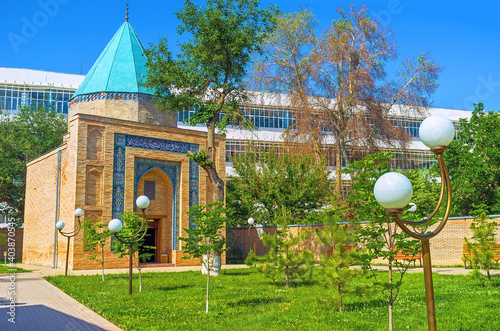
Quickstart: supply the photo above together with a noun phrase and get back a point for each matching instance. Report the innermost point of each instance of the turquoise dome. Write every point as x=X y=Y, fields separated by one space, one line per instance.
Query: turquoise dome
x=120 y=67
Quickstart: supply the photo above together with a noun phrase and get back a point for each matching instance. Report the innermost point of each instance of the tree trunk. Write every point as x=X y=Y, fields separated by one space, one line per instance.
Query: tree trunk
x=208 y=283
x=102 y=262
x=391 y=326
x=212 y=171
x=339 y=290
x=338 y=169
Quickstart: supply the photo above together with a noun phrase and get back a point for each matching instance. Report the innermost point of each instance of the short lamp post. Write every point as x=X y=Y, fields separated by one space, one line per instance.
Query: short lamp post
x=60 y=226
x=116 y=225
x=251 y=221
x=394 y=191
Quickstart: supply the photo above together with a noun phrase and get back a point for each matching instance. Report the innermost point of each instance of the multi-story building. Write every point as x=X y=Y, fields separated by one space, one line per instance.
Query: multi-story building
x=23 y=87
x=19 y=87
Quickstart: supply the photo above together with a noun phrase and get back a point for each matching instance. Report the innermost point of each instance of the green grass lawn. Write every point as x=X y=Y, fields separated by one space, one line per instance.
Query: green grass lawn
x=243 y=299
x=4 y=269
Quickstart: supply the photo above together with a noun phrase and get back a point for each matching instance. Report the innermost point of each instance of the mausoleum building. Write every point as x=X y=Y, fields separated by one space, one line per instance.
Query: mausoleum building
x=118 y=146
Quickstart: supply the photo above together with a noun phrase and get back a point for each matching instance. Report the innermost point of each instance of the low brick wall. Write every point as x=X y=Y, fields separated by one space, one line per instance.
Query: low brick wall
x=18 y=240
x=446 y=247
x=241 y=240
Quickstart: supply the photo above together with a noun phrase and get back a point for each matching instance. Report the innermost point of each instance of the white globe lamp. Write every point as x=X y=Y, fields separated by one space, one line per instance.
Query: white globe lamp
x=78 y=212
x=60 y=225
x=115 y=225
x=142 y=202
x=393 y=190
x=251 y=221
x=436 y=130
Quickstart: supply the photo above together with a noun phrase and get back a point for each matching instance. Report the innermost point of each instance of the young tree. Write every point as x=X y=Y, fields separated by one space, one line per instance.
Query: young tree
x=24 y=136
x=380 y=236
x=95 y=233
x=339 y=239
x=474 y=163
x=266 y=182
x=482 y=244
x=285 y=261
x=131 y=224
x=205 y=240
x=207 y=75
x=340 y=82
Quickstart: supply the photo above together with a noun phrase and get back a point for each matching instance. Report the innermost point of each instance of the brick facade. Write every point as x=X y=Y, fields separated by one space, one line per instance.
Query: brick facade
x=87 y=169
x=131 y=110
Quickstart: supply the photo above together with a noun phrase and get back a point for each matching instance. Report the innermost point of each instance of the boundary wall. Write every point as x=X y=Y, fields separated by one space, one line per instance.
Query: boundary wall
x=446 y=247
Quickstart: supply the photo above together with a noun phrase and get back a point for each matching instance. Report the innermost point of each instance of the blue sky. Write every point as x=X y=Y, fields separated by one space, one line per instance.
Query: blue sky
x=68 y=36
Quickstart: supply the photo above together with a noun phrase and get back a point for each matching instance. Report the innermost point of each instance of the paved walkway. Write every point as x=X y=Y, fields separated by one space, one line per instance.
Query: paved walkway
x=40 y=306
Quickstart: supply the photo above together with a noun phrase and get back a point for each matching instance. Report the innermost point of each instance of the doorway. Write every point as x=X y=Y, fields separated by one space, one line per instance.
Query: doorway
x=149 y=242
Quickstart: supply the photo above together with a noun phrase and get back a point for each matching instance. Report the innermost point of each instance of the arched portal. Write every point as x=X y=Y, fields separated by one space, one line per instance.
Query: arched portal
x=158 y=180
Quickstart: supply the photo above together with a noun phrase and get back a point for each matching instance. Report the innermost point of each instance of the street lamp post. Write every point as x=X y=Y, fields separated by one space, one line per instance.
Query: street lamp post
x=115 y=226
x=60 y=226
x=393 y=191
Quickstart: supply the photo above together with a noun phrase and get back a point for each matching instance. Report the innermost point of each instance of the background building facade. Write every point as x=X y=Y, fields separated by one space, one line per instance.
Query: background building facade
x=20 y=87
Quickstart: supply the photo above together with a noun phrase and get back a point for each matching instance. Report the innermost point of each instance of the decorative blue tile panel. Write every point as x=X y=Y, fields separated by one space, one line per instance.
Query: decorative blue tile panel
x=119 y=164
x=118 y=201
x=194 y=174
x=118 y=176
x=142 y=166
x=158 y=144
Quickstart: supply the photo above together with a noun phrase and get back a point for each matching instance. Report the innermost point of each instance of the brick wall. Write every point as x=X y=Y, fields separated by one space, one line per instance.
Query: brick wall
x=446 y=247
x=39 y=214
x=131 y=110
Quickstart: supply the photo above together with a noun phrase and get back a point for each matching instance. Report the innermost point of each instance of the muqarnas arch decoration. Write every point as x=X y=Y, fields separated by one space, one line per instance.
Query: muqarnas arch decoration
x=142 y=166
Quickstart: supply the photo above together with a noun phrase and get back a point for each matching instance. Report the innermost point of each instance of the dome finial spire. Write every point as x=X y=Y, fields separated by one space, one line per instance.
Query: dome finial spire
x=126 y=16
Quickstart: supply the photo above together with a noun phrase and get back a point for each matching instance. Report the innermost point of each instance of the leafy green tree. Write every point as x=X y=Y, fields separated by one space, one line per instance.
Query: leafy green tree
x=266 y=182
x=426 y=192
x=285 y=261
x=131 y=224
x=95 y=233
x=474 y=163
x=339 y=239
x=207 y=75
x=380 y=236
x=482 y=244
x=24 y=136
x=205 y=240
x=238 y=203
